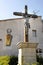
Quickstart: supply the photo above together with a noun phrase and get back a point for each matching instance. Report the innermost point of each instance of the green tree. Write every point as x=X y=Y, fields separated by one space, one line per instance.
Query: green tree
x=13 y=60
x=39 y=59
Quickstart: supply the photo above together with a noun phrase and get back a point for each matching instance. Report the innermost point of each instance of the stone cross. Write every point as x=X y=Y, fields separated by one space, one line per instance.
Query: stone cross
x=26 y=16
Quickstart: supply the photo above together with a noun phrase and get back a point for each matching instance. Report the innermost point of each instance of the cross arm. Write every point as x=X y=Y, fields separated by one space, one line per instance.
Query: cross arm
x=32 y=16
x=18 y=13
x=24 y=14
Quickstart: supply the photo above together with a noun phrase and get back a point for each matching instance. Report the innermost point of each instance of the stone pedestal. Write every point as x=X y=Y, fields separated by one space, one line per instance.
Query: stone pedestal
x=27 y=53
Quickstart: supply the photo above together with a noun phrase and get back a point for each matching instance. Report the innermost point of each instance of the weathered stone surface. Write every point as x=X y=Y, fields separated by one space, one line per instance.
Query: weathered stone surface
x=27 y=53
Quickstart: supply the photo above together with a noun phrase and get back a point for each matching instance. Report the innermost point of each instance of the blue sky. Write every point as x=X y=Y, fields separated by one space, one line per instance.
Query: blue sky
x=7 y=7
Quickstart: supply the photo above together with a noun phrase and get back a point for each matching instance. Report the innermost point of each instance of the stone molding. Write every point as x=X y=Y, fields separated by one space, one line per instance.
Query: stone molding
x=27 y=45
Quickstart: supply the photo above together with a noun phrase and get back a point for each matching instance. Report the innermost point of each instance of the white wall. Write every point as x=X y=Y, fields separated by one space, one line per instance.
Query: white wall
x=17 y=26
x=36 y=24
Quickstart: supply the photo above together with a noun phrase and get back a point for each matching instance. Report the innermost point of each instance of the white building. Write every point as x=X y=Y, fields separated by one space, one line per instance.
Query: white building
x=17 y=31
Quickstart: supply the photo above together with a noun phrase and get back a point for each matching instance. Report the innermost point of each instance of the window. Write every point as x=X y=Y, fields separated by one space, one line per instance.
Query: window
x=0 y=39
x=42 y=26
x=34 y=33
x=8 y=37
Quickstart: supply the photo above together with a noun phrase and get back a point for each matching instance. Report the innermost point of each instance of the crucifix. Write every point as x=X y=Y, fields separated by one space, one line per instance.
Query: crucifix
x=26 y=16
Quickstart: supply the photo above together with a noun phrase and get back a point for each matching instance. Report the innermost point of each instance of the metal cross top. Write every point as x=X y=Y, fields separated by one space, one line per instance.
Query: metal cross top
x=25 y=14
x=27 y=25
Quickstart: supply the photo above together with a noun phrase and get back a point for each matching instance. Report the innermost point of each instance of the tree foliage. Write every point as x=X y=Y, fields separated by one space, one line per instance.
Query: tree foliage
x=39 y=59
x=8 y=60
x=13 y=60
